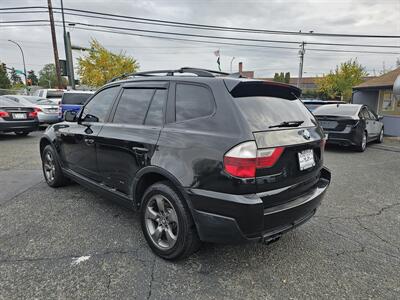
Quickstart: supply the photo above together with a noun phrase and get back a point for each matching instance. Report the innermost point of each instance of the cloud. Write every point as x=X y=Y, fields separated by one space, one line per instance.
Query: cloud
x=366 y=17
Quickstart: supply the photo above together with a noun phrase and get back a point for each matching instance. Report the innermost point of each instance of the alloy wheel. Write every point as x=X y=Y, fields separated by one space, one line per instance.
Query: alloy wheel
x=49 y=167
x=161 y=222
x=364 y=141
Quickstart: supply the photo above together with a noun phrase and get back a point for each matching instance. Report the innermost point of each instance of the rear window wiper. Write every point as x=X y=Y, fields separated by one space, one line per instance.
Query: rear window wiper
x=287 y=124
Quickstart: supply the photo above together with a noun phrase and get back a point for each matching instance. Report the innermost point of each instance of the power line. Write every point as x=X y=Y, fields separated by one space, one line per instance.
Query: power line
x=214 y=27
x=218 y=42
x=212 y=36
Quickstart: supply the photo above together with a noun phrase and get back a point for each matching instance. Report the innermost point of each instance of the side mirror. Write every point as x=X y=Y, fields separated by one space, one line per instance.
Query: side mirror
x=70 y=116
x=380 y=118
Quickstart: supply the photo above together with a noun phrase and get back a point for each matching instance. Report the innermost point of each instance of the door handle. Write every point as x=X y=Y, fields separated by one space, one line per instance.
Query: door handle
x=89 y=141
x=139 y=150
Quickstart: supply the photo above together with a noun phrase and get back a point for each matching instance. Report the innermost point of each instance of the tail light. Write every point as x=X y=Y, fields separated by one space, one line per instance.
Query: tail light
x=32 y=114
x=244 y=159
x=4 y=114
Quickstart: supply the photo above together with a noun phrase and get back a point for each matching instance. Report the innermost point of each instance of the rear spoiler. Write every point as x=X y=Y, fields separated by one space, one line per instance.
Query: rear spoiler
x=252 y=88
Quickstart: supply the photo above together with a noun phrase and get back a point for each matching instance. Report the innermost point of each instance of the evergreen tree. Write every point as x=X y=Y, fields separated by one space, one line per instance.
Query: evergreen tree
x=4 y=80
x=287 y=77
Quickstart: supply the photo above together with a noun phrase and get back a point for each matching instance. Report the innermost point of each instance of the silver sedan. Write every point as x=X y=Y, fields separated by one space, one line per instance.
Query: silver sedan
x=46 y=109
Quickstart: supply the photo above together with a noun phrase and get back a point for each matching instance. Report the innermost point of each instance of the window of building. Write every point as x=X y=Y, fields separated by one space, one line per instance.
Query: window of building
x=388 y=103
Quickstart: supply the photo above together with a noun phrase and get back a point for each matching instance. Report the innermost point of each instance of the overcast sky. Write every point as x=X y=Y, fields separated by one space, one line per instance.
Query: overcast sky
x=359 y=17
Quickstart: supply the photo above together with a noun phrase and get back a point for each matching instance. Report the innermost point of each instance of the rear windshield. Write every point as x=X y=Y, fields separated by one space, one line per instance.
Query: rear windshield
x=75 y=98
x=54 y=94
x=337 y=110
x=6 y=102
x=262 y=112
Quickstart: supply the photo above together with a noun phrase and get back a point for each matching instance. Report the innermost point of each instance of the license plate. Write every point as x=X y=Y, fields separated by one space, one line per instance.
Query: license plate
x=19 y=116
x=328 y=124
x=306 y=159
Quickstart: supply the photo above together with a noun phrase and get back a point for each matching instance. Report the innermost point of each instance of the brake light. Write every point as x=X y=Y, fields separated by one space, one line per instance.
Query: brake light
x=4 y=114
x=244 y=159
x=32 y=114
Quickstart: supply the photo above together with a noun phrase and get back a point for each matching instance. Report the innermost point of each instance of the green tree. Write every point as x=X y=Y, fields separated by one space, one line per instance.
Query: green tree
x=282 y=77
x=101 y=65
x=338 y=84
x=287 y=77
x=32 y=77
x=4 y=80
x=15 y=79
x=48 y=77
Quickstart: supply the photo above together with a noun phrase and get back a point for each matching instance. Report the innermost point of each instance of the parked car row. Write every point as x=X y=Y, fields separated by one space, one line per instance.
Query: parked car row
x=49 y=105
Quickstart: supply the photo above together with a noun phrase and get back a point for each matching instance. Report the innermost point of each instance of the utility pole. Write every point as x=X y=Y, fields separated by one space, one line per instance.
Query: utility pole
x=54 y=39
x=233 y=58
x=68 y=51
x=301 y=54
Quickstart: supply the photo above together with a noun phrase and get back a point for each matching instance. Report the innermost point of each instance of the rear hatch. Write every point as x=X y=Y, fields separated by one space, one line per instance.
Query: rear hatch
x=279 y=120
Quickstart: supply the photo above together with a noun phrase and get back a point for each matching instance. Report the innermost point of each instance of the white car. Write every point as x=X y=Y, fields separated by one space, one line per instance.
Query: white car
x=47 y=110
x=54 y=95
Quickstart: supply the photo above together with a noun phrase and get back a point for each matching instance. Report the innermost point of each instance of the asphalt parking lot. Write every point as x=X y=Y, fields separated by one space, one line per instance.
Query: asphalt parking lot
x=70 y=243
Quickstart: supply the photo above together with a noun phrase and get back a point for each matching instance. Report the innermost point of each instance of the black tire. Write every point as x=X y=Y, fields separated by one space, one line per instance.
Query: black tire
x=379 y=140
x=57 y=179
x=363 y=143
x=187 y=240
x=22 y=133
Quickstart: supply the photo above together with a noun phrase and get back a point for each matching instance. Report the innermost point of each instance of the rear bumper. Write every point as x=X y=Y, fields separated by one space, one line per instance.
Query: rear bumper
x=352 y=138
x=242 y=218
x=48 y=118
x=10 y=126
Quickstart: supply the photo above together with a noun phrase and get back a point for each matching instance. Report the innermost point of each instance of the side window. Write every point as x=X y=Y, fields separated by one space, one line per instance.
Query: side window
x=192 y=101
x=155 y=115
x=364 y=114
x=372 y=115
x=133 y=105
x=41 y=93
x=99 y=106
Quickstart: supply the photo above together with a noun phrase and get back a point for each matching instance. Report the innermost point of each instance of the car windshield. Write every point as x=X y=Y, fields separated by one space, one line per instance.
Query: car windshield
x=54 y=94
x=337 y=110
x=264 y=112
x=75 y=98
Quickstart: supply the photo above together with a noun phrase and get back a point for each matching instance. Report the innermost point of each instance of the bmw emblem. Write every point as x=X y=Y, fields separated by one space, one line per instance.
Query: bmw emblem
x=306 y=134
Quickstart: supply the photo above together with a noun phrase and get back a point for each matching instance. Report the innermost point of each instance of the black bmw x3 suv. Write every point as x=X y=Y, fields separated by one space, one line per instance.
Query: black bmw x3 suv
x=203 y=155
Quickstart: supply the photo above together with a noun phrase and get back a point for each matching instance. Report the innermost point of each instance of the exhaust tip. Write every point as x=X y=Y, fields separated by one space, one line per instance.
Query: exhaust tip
x=271 y=239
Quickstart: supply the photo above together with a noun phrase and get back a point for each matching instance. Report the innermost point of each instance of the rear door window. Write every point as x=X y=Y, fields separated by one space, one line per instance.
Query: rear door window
x=133 y=106
x=263 y=112
x=155 y=114
x=192 y=102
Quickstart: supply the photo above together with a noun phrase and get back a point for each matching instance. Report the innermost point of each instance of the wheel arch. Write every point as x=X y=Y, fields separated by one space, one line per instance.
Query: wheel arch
x=44 y=141
x=150 y=175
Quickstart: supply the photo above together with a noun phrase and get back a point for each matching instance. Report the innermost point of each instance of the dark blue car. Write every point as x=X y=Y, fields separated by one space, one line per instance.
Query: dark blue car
x=73 y=100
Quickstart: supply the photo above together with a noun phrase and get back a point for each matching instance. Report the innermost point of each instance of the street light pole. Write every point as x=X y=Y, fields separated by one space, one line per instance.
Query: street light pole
x=233 y=58
x=23 y=59
x=301 y=53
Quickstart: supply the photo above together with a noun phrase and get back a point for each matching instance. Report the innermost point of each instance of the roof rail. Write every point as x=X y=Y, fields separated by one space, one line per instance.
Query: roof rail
x=196 y=71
